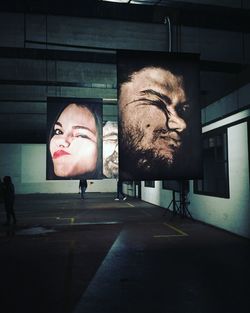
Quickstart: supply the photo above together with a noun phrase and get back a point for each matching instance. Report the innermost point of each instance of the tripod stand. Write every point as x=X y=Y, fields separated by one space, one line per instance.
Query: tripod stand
x=184 y=212
x=180 y=206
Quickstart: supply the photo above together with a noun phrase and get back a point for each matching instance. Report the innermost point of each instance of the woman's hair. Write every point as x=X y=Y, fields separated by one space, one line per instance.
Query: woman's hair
x=94 y=106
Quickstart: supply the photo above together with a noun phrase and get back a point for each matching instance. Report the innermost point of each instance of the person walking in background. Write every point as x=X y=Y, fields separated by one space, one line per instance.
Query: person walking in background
x=9 y=197
x=120 y=193
x=82 y=187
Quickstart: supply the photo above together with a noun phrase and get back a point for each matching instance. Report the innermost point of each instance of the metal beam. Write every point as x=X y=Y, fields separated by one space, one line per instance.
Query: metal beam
x=102 y=56
x=181 y=13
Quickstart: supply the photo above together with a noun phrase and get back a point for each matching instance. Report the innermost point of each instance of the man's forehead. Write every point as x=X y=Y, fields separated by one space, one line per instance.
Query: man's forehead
x=156 y=79
x=155 y=75
x=110 y=127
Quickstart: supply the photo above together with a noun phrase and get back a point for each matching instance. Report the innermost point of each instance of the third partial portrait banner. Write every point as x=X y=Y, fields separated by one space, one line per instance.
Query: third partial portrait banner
x=110 y=149
x=159 y=116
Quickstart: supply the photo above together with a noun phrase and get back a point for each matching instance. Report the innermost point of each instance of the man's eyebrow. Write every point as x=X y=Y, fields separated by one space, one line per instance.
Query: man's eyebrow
x=110 y=134
x=165 y=98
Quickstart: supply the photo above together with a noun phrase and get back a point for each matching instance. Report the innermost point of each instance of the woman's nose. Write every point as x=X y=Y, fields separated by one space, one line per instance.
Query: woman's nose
x=175 y=122
x=64 y=141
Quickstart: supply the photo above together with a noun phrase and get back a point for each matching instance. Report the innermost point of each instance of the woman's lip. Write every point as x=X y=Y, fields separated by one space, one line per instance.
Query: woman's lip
x=59 y=153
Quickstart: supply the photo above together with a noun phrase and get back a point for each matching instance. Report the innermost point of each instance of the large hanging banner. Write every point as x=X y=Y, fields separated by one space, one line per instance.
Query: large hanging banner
x=159 y=116
x=74 y=138
x=110 y=149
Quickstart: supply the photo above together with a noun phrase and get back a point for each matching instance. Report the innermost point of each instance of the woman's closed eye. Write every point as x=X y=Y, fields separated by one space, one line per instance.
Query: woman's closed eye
x=82 y=136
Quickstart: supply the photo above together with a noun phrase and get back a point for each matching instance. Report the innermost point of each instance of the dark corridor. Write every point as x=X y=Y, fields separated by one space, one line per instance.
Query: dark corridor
x=101 y=256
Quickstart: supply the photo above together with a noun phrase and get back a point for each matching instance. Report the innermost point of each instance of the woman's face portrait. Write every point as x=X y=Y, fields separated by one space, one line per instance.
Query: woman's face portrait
x=74 y=142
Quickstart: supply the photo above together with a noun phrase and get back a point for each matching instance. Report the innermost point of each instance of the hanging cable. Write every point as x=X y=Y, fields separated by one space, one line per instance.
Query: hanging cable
x=167 y=21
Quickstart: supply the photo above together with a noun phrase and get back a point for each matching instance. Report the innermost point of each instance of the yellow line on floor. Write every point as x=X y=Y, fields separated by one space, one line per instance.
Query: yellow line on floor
x=176 y=229
x=165 y=236
x=71 y=219
x=130 y=204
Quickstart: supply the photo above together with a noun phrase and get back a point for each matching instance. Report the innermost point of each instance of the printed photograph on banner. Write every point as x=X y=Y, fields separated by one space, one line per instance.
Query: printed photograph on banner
x=74 y=138
x=159 y=116
x=110 y=149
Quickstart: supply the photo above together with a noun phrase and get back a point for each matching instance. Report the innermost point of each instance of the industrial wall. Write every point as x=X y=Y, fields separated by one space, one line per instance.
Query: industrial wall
x=233 y=213
x=45 y=55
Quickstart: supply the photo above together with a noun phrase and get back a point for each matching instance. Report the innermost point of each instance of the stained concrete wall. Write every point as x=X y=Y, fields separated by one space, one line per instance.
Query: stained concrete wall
x=26 y=164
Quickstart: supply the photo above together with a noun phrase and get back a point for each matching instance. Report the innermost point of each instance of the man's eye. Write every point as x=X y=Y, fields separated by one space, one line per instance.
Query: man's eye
x=182 y=109
x=156 y=102
x=185 y=108
x=112 y=141
x=57 y=131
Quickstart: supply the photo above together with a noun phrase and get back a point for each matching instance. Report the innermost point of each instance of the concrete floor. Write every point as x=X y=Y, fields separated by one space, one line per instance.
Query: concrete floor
x=97 y=255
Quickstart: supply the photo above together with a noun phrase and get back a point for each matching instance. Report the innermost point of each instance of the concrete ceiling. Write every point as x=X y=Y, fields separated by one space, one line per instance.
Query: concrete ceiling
x=230 y=16
x=233 y=15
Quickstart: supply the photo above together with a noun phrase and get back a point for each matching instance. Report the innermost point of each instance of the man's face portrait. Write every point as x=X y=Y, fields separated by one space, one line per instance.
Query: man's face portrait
x=110 y=149
x=154 y=113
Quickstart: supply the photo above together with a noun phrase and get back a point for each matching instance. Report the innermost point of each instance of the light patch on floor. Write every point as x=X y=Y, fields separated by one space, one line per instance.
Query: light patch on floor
x=35 y=231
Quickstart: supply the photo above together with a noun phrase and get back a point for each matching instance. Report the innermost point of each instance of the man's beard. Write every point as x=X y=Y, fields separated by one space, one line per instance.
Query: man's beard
x=110 y=166
x=143 y=163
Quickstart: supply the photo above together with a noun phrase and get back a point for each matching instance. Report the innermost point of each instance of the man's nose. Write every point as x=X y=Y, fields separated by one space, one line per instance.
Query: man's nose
x=175 y=122
x=116 y=147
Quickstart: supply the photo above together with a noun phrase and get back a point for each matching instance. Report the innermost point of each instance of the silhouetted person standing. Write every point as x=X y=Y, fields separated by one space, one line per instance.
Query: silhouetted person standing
x=83 y=186
x=9 y=197
x=1 y=190
x=119 y=191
